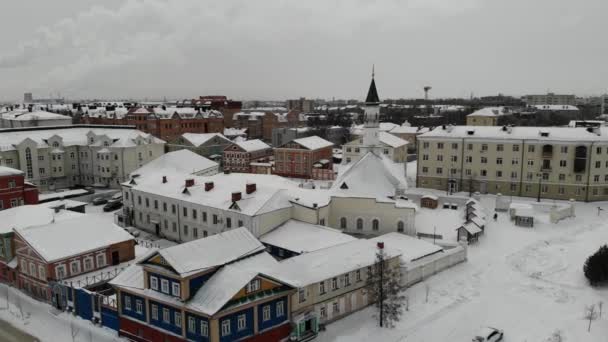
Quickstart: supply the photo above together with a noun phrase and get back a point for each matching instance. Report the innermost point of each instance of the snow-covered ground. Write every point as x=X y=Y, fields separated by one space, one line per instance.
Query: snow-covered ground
x=528 y=282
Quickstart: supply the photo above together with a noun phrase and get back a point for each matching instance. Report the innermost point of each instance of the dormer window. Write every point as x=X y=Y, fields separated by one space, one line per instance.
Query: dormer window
x=253 y=286
x=175 y=290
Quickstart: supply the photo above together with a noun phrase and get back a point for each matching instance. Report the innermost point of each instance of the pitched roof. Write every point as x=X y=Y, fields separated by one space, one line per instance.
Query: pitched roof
x=9 y=171
x=181 y=162
x=228 y=281
x=519 y=132
x=301 y=237
x=391 y=140
x=372 y=94
x=313 y=142
x=411 y=248
x=252 y=145
x=198 y=139
x=213 y=251
x=31 y=215
x=59 y=240
x=491 y=111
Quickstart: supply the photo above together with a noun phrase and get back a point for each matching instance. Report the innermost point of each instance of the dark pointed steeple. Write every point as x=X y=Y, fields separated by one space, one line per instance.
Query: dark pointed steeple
x=372 y=93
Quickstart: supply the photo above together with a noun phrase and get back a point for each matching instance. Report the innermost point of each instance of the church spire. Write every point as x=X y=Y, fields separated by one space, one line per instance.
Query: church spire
x=372 y=93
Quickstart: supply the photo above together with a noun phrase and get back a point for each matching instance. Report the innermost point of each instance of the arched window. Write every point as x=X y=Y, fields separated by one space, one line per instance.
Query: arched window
x=55 y=144
x=359 y=224
x=375 y=224
x=343 y=222
x=28 y=162
x=400 y=227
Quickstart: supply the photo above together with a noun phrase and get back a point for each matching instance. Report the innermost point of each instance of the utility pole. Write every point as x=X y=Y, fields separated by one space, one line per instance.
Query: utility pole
x=540 y=178
x=381 y=280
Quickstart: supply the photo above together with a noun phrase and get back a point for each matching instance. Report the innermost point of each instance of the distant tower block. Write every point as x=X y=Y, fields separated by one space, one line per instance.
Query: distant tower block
x=426 y=99
x=28 y=98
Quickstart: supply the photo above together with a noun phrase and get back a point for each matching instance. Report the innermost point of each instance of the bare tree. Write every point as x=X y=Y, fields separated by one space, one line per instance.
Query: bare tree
x=590 y=314
x=600 y=305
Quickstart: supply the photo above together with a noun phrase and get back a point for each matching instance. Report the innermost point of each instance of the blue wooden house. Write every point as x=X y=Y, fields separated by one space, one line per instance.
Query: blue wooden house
x=219 y=288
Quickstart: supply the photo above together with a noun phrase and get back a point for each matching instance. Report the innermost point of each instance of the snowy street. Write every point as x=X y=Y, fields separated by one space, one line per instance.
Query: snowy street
x=525 y=281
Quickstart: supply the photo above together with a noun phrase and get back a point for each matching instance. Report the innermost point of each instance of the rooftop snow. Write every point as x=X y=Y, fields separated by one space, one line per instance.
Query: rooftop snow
x=313 y=142
x=252 y=145
x=31 y=215
x=531 y=133
x=555 y=107
x=9 y=171
x=411 y=249
x=25 y=115
x=213 y=251
x=199 y=139
x=391 y=140
x=491 y=111
x=181 y=162
x=322 y=264
x=301 y=237
x=59 y=240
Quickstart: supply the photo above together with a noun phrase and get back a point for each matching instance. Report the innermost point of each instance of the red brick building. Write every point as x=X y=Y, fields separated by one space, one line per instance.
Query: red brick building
x=259 y=125
x=14 y=191
x=221 y=103
x=239 y=155
x=166 y=123
x=47 y=253
x=299 y=157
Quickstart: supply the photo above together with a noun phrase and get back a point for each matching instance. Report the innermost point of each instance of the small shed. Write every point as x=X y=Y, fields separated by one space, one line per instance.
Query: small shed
x=469 y=232
x=522 y=214
x=479 y=222
x=429 y=201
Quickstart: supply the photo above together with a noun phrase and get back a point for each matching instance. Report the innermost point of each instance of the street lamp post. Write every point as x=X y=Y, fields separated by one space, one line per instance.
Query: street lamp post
x=540 y=178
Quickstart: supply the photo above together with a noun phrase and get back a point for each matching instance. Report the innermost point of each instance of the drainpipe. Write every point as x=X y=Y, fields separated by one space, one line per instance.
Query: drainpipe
x=521 y=174
x=588 y=172
x=461 y=165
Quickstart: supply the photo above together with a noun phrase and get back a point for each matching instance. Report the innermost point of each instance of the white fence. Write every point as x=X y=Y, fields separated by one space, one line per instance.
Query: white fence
x=419 y=270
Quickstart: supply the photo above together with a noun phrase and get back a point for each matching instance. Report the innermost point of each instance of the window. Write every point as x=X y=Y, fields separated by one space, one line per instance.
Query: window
x=561 y=190
x=301 y=295
x=28 y=162
x=75 y=267
x=186 y=229
x=439 y=157
x=498 y=174
x=347 y=279
x=530 y=162
x=59 y=271
x=128 y=303
x=215 y=219
x=334 y=284
x=598 y=164
x=185 y=211
x=470 y=147
x=164 y=285
x=454 y=158
x=483 y=173
x=579 y=178
x=88 y=264
x=343 y=222
x=101 y=260
x=562 y=163
x=400 y=227
x=241 y=322
x=173 y=209
x=178 y=318
x=228 y=222
x=195 y=232
x=596 y=178
x=139 y=306
x=322 y=287
x=439 y=170
x=375 y=224
x=166 y=315
x=359 y=224
x=175 y=290
x=154 y=309
x=425 y=157
x=425 y=169
x=454 y=146
x=174 y=226
x=530 y=148
x=323 y=312
x=513 y=187
x=154 y=283
x=266 y=313
x=598 y=150
x=440 y=145
x=204 y=329
x=469 y=159
x=425 y=144
x=336 y=308
x=204 y=216
x=515 y=148
x=484 y=147
x=562 y=177
x=191 y=325
x=484 y=160
x=500 y=147
x=41 y=272
x=564 y=149
x=253 y=285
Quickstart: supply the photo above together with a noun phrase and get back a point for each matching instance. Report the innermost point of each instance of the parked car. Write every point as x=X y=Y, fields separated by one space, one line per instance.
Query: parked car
x=99 y=201
x=112 y=205
x=489 y=334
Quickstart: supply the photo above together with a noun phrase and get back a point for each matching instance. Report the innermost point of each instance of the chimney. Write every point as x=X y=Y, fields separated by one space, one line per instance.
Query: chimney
x=189 y=182
x=208 y=186
x=164 y=179
x=380 y=245
x=236 y=196
x=249 y=188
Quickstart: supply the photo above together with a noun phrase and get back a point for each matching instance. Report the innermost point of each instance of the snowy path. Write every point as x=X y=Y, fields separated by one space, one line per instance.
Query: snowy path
x=528 y=282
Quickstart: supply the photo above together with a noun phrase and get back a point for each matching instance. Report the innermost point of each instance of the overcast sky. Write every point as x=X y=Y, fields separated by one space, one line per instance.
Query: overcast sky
x=271 y=49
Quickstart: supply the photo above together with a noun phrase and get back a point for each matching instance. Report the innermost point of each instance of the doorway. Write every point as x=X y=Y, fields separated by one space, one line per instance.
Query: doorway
x=115 y=258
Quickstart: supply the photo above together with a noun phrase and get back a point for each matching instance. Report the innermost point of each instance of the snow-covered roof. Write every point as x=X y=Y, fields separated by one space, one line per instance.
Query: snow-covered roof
x=491 y=111
x=198 y=139
x=73 y=136
x=230 y=132
x=31 y=215
x=411 y=249
x=181 y=162
x=313 y=142
x=391 y=140
x=471 y=228
x=326 y=263
x=252 y=145
x=355 y=180
x=59 y=240
x=9 y=171
x=25 y=115
x=213 y=251
x=272 y=192
x=522 y=209
x=409 y=130
x=132 y=277
x=519 y=132
x=302 y=237
x=555 y=107
x=228 y=281
x=387 y=126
